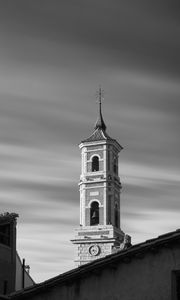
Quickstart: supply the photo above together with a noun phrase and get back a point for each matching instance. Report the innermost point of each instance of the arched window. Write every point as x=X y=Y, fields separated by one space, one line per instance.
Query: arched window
x=95 y=164
x=116 y=216
x=114 y=165
x=94 y=213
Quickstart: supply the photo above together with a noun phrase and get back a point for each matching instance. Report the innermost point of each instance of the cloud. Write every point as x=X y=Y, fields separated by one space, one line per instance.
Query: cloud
x=150 y=224
x=53 y=57
x=46 y=252
x=139 y=35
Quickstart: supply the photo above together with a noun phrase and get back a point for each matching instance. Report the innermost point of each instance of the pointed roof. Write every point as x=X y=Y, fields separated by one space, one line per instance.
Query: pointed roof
x=99 y=133
x=100 y=122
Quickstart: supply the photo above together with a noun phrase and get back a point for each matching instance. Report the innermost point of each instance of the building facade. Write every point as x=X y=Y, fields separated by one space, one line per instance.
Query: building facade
x=145 y=271
x=7 y=252
x=13 y=275
x=99 y=233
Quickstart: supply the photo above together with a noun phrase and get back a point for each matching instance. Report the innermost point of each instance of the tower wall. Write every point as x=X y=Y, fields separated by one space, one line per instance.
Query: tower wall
x=99 y=233
x=103 y=187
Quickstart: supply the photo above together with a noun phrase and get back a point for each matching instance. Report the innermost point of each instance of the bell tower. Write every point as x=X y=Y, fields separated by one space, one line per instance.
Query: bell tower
x=99 y=233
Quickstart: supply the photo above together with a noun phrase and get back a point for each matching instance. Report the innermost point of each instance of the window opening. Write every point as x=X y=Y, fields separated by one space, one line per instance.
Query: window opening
x=5 y=287
x=95 y=164
x=109 y=208
x=5 y=234
x=108 y=161
x=116 y=216
x=94 y=214
x=115 y=167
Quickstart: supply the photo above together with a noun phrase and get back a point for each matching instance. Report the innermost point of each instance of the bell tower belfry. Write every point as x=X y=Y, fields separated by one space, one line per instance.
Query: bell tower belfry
x=99 y=233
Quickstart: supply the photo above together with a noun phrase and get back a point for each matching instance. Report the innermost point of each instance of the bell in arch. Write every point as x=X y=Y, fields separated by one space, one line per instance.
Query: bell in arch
x=95 y=215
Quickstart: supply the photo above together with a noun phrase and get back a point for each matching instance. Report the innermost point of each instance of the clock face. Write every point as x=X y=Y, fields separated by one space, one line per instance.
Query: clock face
x=94 y=250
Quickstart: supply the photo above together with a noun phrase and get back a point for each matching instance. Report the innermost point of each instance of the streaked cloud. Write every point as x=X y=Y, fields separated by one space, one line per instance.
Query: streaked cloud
x=53 y=57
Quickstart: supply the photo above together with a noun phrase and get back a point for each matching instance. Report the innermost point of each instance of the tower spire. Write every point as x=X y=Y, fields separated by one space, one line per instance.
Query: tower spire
x=100 y=122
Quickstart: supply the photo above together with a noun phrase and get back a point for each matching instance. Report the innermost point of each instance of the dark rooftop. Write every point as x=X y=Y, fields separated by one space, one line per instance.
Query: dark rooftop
x=133 y=252
x=8 y=217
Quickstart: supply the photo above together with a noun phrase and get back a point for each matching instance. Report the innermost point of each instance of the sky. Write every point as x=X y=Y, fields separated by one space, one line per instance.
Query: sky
x=53 y=57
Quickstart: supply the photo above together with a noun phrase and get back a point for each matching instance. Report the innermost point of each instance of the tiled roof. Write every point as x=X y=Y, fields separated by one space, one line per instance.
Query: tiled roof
x=98 y=135
x=112 y=260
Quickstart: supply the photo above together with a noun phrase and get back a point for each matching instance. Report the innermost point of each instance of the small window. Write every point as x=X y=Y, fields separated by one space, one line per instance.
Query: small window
x=5 y=287
x=108 y=160
x=115 y=165
x=95 y=164
x=116 y=216
x=5 y=234
x=109 y=209
x=94 y=214
x=176 y=285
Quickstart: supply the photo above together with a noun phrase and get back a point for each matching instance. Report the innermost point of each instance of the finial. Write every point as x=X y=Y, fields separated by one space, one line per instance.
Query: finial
x=100 y=94
x=100 y=122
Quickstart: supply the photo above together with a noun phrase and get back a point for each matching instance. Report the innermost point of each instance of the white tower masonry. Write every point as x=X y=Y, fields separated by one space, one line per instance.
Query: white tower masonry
x=99 y=233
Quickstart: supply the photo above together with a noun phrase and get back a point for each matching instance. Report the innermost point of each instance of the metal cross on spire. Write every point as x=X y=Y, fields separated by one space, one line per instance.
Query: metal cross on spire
x=100 y=94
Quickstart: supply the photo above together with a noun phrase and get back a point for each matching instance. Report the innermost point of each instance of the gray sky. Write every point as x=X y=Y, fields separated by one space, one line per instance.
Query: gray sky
x=53 y=56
